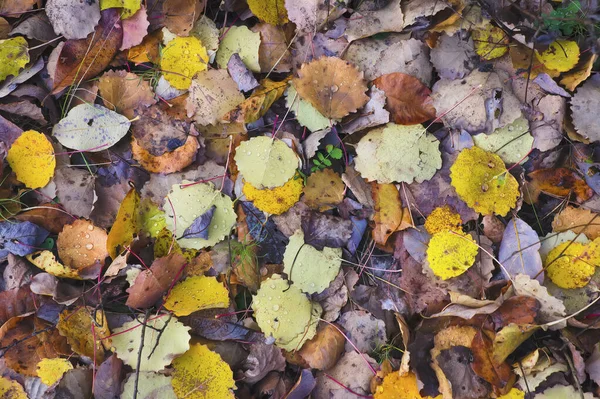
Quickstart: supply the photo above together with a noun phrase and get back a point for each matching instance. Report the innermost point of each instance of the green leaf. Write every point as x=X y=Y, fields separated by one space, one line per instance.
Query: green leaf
x=329 y=148
x=327 y=162
x=317 y=163
x=321 y=157
x=336 y=153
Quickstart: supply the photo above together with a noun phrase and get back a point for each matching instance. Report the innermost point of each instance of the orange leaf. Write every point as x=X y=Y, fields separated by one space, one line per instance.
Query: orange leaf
x=389 y=215
x=169 y=162
x=408 y=99
x=560 y=182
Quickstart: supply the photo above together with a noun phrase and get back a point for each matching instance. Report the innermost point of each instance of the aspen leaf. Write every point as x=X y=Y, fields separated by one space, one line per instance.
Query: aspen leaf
x=125 y=92
x=306 y=114
x=276 y=200
x=150 y=386
x=395 y=386
x=490 y=42
x=289 y=316
x=184 y=204
x=580 y=73
x=512 y=143
x=52 y=370
x=46 y=261
x=244 y=42
x=442 y=219
x=561 y=55
x=333 y=86
x=514 y=393
x=169 y=162
x=311 y=15
x=14 y=53
x=572 y=264
x=450 y=254
x=579 y=220
x=213 y=93
x=258 y=103
x=377 y=154
x=483 y=182
x=561 y=392
x=82 y=245
x=32 y=159
x=201 y=374
x=181 y=59
x=91 y=128
x=389 y=214
x=308 y=268
x=266 y=162
x=165 y=338
x=128 y=7
x=11 y=389
x=584 y=104
x=273 y=53
x=324 y=190
x=76 y=326
x=125 y=228
x=270 y=11
x=73 y=19
x=197 y=293
x=151 y=217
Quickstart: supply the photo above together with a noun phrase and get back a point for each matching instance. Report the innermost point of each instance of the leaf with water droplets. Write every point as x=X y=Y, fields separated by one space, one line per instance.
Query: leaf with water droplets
x=197 y=293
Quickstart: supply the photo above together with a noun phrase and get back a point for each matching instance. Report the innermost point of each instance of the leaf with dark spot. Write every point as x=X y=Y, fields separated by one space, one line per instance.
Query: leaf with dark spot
x=199 y=227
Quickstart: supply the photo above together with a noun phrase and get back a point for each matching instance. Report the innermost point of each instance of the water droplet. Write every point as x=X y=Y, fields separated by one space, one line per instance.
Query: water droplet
x=285 y=312
x=186 y=52
x=186 y=72
x=316 y=82
x=85 y=255
x=270 y=298
x=275 y=308
x=89 y=246
x=511 y=128
x=272 y=286
x=312 y=284
x=249 y=153
x=334 y=88
x=90 y=227
x=87 y=236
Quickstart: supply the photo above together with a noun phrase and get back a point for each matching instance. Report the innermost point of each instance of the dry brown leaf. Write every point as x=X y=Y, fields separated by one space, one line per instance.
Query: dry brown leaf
x=81 y=246
x=273 y=52
x=169 y=162
x=125 y=92
x=324 y=189
x=177 y=15
x=390 y=216
x=49 y=216
x=324 y=349
x=580 y=73
x=333 y=86
x=408 y=100
x=212 y=94
x=85 y=335
x=579 y=220
x=560 y=182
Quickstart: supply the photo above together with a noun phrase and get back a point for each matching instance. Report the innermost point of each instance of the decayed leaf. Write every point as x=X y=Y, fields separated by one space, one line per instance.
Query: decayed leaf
x=86 y=330
x=584 y=104
x=333 y=86
x=150 y=385
x=91 y=128
x=81 y=245
x=324 y=350
x=389 y=216
x=288 y=316
x=125 y=92
x=242 y=41
x=519 y=251
x=162 y=127
x=274 y=201
x=197 y=293
x=46 y=261
x=82 y=59
x=408 y=99
x=20 y=238
x=125 y=228
x=371 y=115
x=311 y=15
x=273 y=52
x=551 y=308
x=52 y=370
x=15 y=55
x=182 y=59
x=490 y=42
x=306 y=114
x=352 y=371
x=579 y=220
x=324 y=190
x=377 y=154
x=261 y=360
x=75 y=190
x=512 y=143
x=73 y=20
x=451 y=253
x=11 y=389
x=169 y=162
x=454 y=56
x=366 y=22
x=580 y=73
x=483 y=182
x=31 y=157
x=561 y=55
x=308 y=268
x=212 y=94
x=572 y=265
x=165 y=338
x=258 y=103
x=270 y=11
x=201 y=374
x=561 y=182
x=266 y=162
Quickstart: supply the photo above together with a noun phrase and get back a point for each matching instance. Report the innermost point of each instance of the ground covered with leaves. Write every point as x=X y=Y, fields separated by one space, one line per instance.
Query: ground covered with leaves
x=299 y=198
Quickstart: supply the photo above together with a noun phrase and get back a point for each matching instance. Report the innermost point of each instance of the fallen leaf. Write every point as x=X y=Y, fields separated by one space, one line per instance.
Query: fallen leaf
x=15 y=52
x=372 y=114
x=261 y=360
x=451 y=253
x=125 y=228
x=169 y=162
x=324 y=190
x=128 y=7
x=254 y=107
x=306 y=114
x=274 y=201
x=135 y=29
x=579 y=220
x=51 y=370
x=125 y=93
x=149 y=385
x=86 y=330
x=366 y=21
x=273 y=53
x=512 y=143
x=583 y=104
x=352 y=370
x=182 y=59
x=364 y=330
x=73 y=20
x=311 y=15
x=20 y=238
x=212 y=94
x=454 y=57
x=561 y=55
x=580 y=72
x=196 y=293
x=519 y=251
x=572 y=264
x=32 y=158
x=242 y=41
x=390 y=216
x=271 y=11
x=561 y=182
x=490 y=42
x=12 y=389
x=396 y=386
x=442 y=219
x=75 y=190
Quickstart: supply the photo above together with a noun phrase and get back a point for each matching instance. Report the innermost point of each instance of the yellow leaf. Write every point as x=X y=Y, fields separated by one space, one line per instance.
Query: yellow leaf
x=125 y=227
x=182 y=59
x=276 y=200
x=270 y=11
x=442 y=219
x=389 y=214
x=197 y=293
x=152 y=218
x=10 y=389
x=46 y=261
x=129 y=7
x=52 y=370
x=201 y=374
x=396 y=386
x=255 y=106
x=572 y=264
x=450 y=254
x=580 y=73
x=166 y=244
x=85 y=335
x=241 y=40
x=31 y=157
x=562 y=55
x=483 y=182
x=490 y=42
x=324 y=190
x=14 y=54
x=514 y=393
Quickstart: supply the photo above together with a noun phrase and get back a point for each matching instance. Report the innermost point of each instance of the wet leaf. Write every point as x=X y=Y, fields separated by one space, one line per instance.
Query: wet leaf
x=86 y=330
x=196 y=293
x=31 y=157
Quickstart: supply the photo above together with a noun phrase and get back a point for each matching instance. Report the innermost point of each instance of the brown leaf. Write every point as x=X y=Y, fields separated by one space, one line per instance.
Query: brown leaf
x=579 y=220
x=518 y=309
x=177 y=15
x=273 y=51
x=125 y=92
x=324 y=190
x=82 y=245
x=261 y=360
x=79 y=60
x=148 y=50
x=324 y=349
x=333 y=86
x=251 y=109
x=389 y=214
x=169 y=162
x=150 y=285
x=560 y=182
x=48 y=216
x=13 y=8
x=500 y=375
x=455 y=363
x=408 y=100
x=17 y=302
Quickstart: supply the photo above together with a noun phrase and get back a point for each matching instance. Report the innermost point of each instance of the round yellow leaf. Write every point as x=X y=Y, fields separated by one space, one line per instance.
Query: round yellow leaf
x=442 y=219
x=31 y=157
x=52 y=370
x=395 y=386
x=483 y=182
x=490 y=42
x=197 y=293
x=10 y=389
x=572 y=264
x=562 y=55
x=450 y=254
x=270 y=11
x=201 y=374
x=182 y=59
x=276 y=200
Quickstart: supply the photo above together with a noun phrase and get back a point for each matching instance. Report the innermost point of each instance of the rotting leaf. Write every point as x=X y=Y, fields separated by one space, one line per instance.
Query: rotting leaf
x=86 y=330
